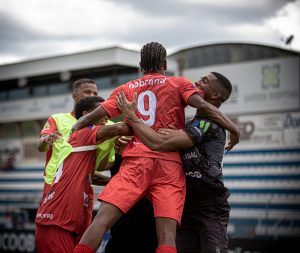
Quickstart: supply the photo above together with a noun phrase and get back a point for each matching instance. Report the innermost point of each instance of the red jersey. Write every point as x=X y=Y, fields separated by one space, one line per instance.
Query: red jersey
x=66 y=203
x=161 y=102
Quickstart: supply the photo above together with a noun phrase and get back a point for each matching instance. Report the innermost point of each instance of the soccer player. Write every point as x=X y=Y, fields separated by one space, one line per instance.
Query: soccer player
x=62 y=212
x=135 y=231
x=60 y=125
x=159 y=175
x=202 y=142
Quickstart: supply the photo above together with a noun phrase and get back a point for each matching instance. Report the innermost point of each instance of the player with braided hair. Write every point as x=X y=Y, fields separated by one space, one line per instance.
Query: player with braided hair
x=158 y=175
x=153 y=56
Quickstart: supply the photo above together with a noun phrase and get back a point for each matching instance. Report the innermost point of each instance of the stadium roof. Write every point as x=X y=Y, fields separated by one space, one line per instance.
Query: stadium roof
x=84 y=60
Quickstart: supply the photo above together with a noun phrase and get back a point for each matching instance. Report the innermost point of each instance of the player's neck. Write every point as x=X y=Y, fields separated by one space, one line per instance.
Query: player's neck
x=213 y=102
x=158 y=71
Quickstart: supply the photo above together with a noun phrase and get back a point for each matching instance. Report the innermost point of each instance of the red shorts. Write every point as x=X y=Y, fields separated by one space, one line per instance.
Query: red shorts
x=54 y=239
x=162 y=181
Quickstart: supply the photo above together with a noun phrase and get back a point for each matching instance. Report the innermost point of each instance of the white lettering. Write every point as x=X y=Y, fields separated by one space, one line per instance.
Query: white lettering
x=49 y=196
x=45 y=216
x=22 y=242
x=150 y=112
x=146 y=82
x=195 y=174
x=189 y=155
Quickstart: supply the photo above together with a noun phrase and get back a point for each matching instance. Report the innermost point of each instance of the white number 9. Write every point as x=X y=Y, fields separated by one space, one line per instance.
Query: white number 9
x=151 y=108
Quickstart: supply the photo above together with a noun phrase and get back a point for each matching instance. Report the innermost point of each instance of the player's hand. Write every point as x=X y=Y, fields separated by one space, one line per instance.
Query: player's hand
x=52 y=137
x=121 y=143
x=234 y=139
x=126 y=107
x=80 y=123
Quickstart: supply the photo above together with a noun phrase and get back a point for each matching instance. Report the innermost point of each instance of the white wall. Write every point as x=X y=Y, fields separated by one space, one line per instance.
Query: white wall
x=258 y=86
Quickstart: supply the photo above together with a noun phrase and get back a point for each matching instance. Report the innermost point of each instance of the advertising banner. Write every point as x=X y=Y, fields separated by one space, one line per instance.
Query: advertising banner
x=276 y=130
x=258 y=86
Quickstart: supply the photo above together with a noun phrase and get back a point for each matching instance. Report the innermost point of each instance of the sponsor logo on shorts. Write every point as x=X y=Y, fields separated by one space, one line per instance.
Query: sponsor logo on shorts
x=49 y=196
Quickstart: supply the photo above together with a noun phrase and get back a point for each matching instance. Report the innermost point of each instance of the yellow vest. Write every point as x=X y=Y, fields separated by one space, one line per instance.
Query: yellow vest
x=106 y=148
x=64 y=123
x=61 y=148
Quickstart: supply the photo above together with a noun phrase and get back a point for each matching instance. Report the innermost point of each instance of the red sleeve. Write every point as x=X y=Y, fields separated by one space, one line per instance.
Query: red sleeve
x=110 y=105
x=187 y=89
x=49 y=127
x=85 y=136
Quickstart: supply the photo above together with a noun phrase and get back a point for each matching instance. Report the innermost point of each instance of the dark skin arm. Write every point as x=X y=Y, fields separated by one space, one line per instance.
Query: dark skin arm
x=90 y=118
x=99 y=179
x=46 y=140
x=105 y=164
x=169 y=141
x=109 y=131
x=213 y=113
x=178 y=139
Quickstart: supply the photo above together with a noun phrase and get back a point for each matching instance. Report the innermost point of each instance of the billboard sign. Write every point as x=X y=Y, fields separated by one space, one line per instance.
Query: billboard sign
x=258 y=86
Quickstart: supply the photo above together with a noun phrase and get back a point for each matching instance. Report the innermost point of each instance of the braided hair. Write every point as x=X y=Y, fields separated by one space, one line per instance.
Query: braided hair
x=153 y=57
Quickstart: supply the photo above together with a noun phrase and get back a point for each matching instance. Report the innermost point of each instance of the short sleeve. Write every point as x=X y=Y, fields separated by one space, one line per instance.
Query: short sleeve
x=187 y=89
x=193 y=133
x=49 y=127
x=86 y=136
x=110 y=105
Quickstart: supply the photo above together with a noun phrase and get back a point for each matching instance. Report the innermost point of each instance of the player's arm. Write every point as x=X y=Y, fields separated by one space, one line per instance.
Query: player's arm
x=90 y=118
x=49 y=134
x=176 y=140
x=46 y=140
x=170 y=142
x=106 y=109
x=100 y=179
x=109 y=131
x=105 y=164
x=213 y=113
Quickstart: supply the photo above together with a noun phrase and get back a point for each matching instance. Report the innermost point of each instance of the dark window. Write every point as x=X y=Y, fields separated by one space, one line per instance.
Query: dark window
x=60 y=88
x=30 y=129
x=103 y=82
x=18 y=93
x=40 y=91
x=10 y=130
x=3 y=95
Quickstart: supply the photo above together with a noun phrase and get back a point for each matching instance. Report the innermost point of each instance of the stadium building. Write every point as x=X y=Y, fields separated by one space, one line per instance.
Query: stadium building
x=262 y=172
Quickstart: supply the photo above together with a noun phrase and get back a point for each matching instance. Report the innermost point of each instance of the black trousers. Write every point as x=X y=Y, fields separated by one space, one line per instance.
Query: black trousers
x=204 y=228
